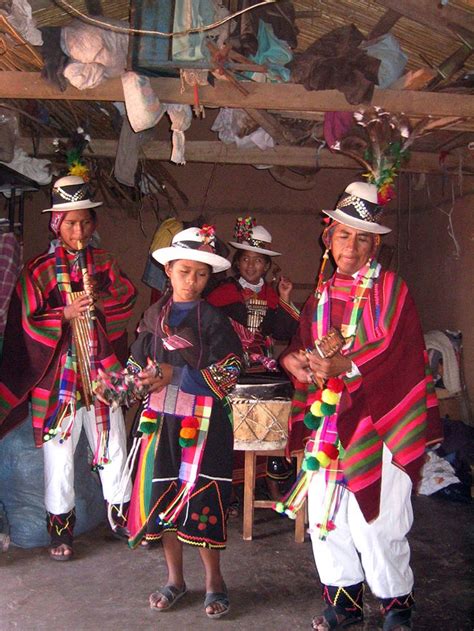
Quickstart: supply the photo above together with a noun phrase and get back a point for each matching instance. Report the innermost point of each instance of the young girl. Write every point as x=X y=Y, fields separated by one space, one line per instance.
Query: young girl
x=259 y=314
x=188 y=357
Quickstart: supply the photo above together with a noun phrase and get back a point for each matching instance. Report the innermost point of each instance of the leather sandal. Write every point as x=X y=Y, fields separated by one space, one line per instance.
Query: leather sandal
x=64 y=547
x=169 y=593
x=397 y=620
x=336 y=619
x=222 y=598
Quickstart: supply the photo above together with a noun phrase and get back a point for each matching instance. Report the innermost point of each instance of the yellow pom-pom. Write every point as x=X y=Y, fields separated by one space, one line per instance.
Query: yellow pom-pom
x=323 y=459
x=330 y=397
x=315 y=409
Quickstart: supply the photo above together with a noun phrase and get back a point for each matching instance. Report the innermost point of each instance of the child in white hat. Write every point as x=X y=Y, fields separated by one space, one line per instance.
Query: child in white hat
x=188 y=357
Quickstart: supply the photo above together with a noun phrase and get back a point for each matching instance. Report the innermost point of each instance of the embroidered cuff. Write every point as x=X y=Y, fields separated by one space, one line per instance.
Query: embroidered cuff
x=222 y=376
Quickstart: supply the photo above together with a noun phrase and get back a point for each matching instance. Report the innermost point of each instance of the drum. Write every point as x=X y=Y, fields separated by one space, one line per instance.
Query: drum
x=261 y=407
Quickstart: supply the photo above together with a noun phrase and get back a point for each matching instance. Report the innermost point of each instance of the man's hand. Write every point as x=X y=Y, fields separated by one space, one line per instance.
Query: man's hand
x=330 y=367
x=297 y=364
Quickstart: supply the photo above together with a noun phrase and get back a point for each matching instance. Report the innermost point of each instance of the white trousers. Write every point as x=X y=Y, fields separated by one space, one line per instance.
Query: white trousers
x=59 y=462
x=356 y=551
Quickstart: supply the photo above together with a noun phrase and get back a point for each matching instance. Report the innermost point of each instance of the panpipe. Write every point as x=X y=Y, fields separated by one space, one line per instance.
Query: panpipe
x=82 y=329
x=81 y=333
x=256 y=310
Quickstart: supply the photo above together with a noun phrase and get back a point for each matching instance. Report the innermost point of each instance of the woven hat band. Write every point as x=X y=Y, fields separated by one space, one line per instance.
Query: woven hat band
x=70 y=193
x=358 y=208
x=193 y=245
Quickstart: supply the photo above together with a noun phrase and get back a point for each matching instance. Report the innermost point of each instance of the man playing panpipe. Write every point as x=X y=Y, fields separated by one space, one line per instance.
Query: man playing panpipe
x=53 y=350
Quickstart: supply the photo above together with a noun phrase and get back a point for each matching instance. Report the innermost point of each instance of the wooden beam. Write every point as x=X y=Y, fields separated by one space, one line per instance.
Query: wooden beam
x=214 y=151
x=430 y=13
x=385 y=24
x=271 y=96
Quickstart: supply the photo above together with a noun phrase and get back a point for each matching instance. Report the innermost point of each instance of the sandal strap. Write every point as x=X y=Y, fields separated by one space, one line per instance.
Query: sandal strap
x=397 y=618
x=216 y=597
x=330 y=616
x=170 y=592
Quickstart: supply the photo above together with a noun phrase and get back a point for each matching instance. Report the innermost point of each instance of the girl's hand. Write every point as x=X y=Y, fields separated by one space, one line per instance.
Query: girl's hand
x=156 y=383
x=285 y=287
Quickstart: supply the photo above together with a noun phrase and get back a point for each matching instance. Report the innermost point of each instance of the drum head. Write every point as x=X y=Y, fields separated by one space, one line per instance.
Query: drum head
x=263 y=386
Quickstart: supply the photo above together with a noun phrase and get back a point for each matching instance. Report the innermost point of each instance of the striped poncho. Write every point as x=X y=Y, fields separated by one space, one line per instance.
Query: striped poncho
x=390 y=402
x=38 y=340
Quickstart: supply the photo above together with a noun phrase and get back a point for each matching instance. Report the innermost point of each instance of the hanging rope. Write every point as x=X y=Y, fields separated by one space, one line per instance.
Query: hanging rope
x=449 y=215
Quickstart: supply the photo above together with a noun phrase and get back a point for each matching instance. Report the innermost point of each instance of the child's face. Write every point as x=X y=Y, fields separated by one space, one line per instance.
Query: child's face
x=188 y=279
x=252 y=266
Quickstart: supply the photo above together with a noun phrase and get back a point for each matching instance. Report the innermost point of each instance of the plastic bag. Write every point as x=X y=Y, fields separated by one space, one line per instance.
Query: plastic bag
x=8 y=134
x=392 y=59
x=22 y=488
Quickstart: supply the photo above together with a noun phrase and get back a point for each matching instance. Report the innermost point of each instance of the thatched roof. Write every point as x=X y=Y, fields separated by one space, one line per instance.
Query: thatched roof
x=431 y=35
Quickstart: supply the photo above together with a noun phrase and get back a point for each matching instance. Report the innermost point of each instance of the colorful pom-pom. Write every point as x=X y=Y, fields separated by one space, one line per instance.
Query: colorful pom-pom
x=147 y=427
x=291 y=514
x=149 y=414
x=330 y=450
x=190 y=421
x=323 y=459
x=330 y=397
x=279 y=507
x=310 y=463
x=316 y=409
x=335 y=384
x=327 y=409
x=188 y=432
x=311 y=421
x=186 y=442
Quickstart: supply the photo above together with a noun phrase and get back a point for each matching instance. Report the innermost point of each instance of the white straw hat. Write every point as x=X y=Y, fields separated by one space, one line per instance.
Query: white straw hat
x=193 y=244
x=252 y=238
x=70 y=193
x=358 y=208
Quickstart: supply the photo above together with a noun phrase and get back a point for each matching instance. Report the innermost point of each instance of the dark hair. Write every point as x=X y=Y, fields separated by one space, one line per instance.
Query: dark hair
x=240 y=253
x=171 y=263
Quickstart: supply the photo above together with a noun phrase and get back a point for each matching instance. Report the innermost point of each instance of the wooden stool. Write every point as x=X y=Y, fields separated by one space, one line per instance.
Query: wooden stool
x=249 y=488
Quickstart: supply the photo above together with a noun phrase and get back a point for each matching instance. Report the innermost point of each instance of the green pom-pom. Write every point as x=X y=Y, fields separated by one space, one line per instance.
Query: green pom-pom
x=327 y=409
x=186 y=442
x=147 y=426
x=311 y=421
x=311 y=463
x=280 y=507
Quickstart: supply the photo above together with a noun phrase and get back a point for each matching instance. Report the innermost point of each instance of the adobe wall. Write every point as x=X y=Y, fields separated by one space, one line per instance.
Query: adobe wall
x=422 y=249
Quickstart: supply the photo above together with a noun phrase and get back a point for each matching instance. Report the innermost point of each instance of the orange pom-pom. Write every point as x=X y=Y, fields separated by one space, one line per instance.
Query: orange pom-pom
x=188 y=432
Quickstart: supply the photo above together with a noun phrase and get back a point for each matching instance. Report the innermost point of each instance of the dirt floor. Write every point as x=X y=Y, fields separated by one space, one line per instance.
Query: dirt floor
x=272 y=580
